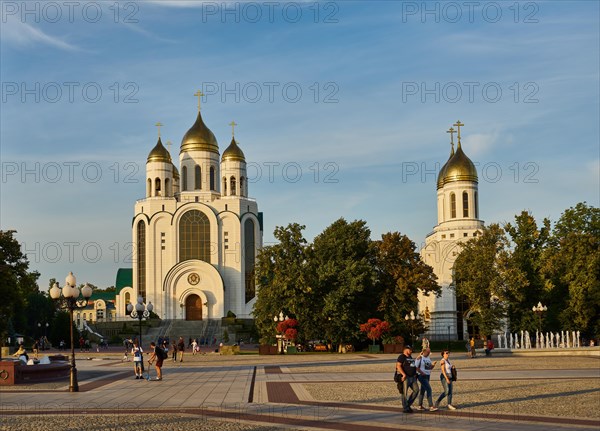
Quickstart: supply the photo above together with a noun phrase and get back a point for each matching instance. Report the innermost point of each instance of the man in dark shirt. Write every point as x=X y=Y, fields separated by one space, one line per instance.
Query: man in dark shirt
x=405 y=366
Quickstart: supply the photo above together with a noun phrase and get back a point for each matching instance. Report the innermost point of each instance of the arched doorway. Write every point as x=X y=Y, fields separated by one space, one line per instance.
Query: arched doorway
x=193 y=308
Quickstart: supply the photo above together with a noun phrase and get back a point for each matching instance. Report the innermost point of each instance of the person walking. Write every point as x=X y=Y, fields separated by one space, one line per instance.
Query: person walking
x=472 y=347
x=138 y=360
x=446 y=379
x=157 y=359
x=194 y=346
x=424 y=366
x=405 y=365
x=181 y=348
x=174 y=352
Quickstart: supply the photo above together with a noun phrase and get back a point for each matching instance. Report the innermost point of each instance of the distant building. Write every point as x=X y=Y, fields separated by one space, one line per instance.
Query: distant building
x=458 y=221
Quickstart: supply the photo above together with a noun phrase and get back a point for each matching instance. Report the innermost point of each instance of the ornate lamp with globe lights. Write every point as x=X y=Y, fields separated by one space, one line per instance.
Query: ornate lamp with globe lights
x=140 y=311
x=539 y=309
x=71 y=298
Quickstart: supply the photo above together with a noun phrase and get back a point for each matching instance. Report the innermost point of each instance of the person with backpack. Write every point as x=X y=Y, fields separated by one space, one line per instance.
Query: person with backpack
x=405 y=367
x=138 y=360
x=181 y=348
x=446 y=378
x=157 y=357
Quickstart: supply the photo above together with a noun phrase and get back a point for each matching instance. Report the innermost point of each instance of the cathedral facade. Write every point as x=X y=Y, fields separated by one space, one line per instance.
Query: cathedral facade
x=457 y=221
x=196 y=233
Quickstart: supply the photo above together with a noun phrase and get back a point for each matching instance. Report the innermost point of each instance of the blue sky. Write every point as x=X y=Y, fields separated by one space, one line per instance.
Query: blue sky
x=342 y=105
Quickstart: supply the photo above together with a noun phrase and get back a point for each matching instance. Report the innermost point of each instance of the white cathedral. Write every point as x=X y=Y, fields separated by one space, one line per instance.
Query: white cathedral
x=457 y=221
x=196 y=233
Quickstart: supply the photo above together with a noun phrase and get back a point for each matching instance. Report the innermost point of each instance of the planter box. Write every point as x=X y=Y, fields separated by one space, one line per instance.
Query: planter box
x=393 y=348
x=291 y=350
x=374 y=348
x=265 y=349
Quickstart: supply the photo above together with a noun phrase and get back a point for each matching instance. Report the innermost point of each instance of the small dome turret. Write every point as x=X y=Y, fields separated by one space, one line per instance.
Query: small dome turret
x=159 y=153
x=233 y=152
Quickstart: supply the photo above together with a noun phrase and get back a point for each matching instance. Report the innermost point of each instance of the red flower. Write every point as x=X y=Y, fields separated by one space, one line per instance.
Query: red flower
x=375 y=328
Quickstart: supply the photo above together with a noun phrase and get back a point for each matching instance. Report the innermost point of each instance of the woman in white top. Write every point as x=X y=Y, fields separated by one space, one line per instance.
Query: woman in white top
x=424 y=367
x=446 y=378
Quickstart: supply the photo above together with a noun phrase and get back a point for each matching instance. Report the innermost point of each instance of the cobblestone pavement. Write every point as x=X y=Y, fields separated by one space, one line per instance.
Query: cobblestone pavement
x=331 y=391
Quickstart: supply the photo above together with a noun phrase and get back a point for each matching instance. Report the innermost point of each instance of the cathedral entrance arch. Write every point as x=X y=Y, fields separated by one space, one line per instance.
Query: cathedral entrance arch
x=193 y=307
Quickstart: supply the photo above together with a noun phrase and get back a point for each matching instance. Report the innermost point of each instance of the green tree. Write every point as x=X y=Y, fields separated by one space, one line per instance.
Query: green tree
x=284 y=283
x=479 y=278
x=401 y=274
x=571 y=266
x=16 y=284
x=527 y=244
x=344 y=260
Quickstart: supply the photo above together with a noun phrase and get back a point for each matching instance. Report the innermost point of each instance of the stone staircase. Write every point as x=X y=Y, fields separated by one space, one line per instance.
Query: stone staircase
x=204 y=331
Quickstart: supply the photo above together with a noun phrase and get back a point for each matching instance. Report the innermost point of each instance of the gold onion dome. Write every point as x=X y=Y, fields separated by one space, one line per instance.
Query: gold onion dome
x=440 y=179
x=233 y=152
x=159 y=153
x=458 y=168
x=199 y=138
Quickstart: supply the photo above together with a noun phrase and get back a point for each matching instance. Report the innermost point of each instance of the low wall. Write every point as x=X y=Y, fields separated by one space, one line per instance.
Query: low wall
x=14 y=372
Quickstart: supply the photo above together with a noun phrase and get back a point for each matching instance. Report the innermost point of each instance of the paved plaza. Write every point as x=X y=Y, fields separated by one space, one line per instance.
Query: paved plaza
x=311 y=391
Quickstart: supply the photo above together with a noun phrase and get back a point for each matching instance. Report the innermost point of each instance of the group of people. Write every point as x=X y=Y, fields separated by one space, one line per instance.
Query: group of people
x=471 y=352
x=412 y=371
x=157 y=356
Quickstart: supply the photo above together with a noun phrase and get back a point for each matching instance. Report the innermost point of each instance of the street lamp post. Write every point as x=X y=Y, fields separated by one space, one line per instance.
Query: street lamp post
x=539 y=309
x=140 y=311
x=72 y=298
x=410 y=320
x=276 y=319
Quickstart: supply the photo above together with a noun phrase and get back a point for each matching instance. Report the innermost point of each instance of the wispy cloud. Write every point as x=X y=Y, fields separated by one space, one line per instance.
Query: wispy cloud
x=25 y=35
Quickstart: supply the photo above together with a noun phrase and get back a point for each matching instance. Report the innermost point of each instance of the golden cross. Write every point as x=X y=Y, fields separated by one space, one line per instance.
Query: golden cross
x=199 y=95
x=233 y=124
x=159 y=124
x=452 y=132
x=458 y=125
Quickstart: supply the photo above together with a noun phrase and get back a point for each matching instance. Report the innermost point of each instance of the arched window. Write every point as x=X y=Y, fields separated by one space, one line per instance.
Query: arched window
x=157 y=187
x=232 y=181
x=249 y=258
x=149 y=190
x=465 y=204
x=194 y=236
x=197 y=178
x=242 y=184
x=452 y=205
x=212 y=178
x=127 y=301
x=476 y=206
x=184 y=179
x=167 y=187
x=141 y=258
x=224 y=186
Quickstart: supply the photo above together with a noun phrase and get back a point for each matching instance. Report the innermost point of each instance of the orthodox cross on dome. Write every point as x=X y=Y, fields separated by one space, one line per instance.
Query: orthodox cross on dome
x=233 y=124
x=452 y=132
x=458 y=125
x=158 y=125
x=199 y=95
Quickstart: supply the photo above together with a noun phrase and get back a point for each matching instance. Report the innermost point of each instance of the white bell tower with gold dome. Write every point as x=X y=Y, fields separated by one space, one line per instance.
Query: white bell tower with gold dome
x=457 y=221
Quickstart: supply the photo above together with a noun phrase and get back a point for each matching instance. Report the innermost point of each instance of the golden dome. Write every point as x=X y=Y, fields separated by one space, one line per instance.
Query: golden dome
x=458 y=168
x=233 y=152
x=159 y=154
x=440 y=179
x=199 y=137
